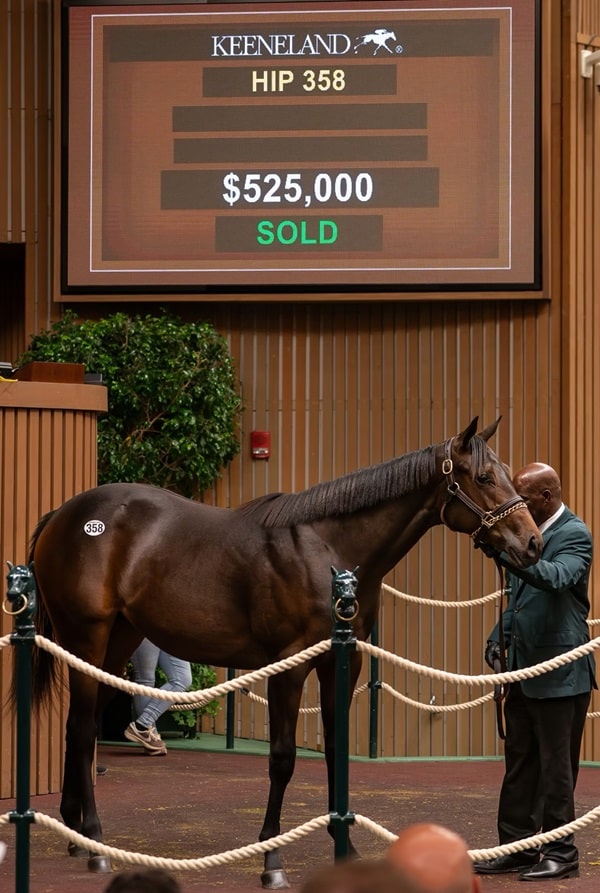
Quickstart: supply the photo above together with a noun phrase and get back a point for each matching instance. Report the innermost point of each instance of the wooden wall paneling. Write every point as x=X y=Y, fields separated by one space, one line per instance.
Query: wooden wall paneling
x=446 y=555
x=412 y=644
x=17 y=222
x=38 y=312
x=45 y=455
x=313 y=449
x=426 y=686
x=8 y=452
x=592 y=504
x=5 y=178
x=366 y=428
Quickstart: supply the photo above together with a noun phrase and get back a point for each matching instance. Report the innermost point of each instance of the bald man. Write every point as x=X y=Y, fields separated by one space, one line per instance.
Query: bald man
x=429 y=858
x=546 y=616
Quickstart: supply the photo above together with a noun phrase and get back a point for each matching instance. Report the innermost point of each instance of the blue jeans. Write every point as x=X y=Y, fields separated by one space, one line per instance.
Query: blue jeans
x=145 y=659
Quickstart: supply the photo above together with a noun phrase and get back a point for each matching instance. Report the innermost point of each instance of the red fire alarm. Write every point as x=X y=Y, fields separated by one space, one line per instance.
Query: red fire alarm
x=260 y=444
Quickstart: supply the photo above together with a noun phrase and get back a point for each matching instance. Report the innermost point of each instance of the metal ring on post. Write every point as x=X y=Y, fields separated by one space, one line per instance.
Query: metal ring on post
x=19 y=610
x=341 y=616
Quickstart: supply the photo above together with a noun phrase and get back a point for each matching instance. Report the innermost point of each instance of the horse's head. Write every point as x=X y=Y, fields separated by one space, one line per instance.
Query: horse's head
x=480 y=498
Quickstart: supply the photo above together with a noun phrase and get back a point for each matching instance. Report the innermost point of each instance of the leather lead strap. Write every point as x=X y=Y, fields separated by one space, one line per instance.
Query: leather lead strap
x=500 y=691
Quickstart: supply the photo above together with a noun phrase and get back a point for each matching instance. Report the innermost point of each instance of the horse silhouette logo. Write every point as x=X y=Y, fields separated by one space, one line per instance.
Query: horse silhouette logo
x=379 y=37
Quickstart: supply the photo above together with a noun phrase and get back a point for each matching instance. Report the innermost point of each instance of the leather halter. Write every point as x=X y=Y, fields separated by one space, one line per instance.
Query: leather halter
x=488 y=519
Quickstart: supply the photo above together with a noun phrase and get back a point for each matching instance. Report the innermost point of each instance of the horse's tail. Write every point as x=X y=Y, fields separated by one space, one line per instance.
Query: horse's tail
x=43 y=665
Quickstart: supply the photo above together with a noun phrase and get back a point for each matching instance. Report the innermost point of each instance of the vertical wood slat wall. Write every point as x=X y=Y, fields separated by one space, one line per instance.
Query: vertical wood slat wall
x=581 y=289
x=47 y=454
x=348 y=384
x=373 y=382
x=26 y=126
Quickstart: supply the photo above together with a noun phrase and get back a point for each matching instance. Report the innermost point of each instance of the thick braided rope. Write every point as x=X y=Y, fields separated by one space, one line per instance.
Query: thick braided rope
x=440 y=603
x=295 y=834
x=216 y=859
x=436 y=708
x=486 y=678
x=525 y=843
x=306 y=710
x=260 y=700
x=199 y=697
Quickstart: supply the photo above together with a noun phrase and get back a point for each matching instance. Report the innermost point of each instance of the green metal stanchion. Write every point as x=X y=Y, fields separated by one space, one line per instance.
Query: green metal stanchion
x=344 y=608
x=20 y=603
x=230 y=714
x=374 y=689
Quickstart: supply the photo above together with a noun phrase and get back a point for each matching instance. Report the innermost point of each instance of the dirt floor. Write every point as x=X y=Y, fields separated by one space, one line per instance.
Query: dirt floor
x=196 y=802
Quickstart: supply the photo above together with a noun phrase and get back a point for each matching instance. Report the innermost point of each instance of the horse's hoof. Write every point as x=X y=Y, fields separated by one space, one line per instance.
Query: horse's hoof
x=80 y=852
x=99 y=864
x=275 y=879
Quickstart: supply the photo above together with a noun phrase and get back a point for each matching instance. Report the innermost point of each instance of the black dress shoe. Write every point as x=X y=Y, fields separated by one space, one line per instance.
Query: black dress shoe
x=504 y=864
x=550 y=868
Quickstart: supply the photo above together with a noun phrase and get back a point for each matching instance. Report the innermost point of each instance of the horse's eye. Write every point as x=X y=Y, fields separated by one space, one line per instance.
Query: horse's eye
x=484 y=478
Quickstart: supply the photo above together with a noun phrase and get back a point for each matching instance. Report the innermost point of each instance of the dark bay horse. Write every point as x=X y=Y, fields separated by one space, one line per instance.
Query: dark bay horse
x=244 y=588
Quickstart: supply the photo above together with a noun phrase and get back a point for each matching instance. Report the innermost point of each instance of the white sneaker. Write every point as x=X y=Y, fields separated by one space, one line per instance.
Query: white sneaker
x=148 y=738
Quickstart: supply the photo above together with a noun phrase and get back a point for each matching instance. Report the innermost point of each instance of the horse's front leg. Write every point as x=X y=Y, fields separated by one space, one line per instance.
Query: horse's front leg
x=326 y=674
x=78 y=803
x=284 y=692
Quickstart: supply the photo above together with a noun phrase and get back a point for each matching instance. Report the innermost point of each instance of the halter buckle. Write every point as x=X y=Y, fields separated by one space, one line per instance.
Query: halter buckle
x=488 y=520
x=447 y=466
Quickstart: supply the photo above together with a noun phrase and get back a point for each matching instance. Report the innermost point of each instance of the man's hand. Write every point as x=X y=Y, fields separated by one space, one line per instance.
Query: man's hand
x=492 y=654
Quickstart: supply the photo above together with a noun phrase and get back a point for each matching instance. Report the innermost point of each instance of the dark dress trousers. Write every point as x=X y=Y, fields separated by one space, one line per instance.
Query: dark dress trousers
x=545 y=716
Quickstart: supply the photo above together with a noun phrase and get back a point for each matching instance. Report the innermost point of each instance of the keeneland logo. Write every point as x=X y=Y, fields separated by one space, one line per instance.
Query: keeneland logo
x=334 y=43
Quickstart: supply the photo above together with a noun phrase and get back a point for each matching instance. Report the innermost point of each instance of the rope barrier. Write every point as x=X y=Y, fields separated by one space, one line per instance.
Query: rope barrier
x=127 y=857
x=198 y=698
x=228 y=857
x=466 y=603
x=486 y=678
x=186 y=699
x=440 y=603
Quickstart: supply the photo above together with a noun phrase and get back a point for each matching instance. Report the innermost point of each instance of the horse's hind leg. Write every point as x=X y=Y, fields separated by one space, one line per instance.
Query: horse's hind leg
x=284 y=692
x=78 y=803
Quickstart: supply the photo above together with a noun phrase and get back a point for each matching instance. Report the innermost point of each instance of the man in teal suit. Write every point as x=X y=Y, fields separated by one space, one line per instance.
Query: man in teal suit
x=545 y=716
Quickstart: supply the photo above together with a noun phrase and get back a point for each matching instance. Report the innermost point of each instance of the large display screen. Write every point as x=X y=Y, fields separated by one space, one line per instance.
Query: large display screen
x=297 y=146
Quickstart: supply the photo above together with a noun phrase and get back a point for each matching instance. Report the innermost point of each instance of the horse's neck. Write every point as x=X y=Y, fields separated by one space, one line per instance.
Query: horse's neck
x=379 y=537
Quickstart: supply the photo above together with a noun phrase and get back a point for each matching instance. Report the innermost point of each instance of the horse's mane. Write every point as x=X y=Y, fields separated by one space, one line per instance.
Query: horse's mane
x=351 y=492
x=357 y=490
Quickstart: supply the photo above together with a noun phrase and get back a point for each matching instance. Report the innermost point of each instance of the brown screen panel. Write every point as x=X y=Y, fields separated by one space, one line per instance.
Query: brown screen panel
x=296 y=146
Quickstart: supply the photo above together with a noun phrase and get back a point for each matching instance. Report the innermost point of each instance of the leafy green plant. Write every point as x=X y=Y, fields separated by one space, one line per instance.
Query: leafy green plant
x=173 y=397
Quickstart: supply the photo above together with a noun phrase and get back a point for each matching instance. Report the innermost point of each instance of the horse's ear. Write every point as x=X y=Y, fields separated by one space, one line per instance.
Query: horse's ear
x=333 y=571
x=490 y=430
x=470 y=432
x=10 y=565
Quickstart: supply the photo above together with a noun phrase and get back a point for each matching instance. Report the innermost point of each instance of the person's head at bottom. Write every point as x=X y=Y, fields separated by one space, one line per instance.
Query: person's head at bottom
x=354 y=876
x=430 y=858
x=144 y=880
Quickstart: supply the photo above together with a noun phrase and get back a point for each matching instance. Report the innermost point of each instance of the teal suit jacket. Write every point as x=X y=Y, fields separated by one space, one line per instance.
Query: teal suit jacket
x=547 y=610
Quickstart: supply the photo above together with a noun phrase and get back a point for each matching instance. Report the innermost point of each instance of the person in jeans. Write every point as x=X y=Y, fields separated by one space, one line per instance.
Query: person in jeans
x=145 y=659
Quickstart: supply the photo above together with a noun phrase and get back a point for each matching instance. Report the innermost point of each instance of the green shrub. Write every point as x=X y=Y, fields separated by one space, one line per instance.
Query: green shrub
x=173 y=397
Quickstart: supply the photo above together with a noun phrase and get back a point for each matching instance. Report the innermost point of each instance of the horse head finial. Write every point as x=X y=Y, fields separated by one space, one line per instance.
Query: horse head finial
x=21 y=590
x=344 y=587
